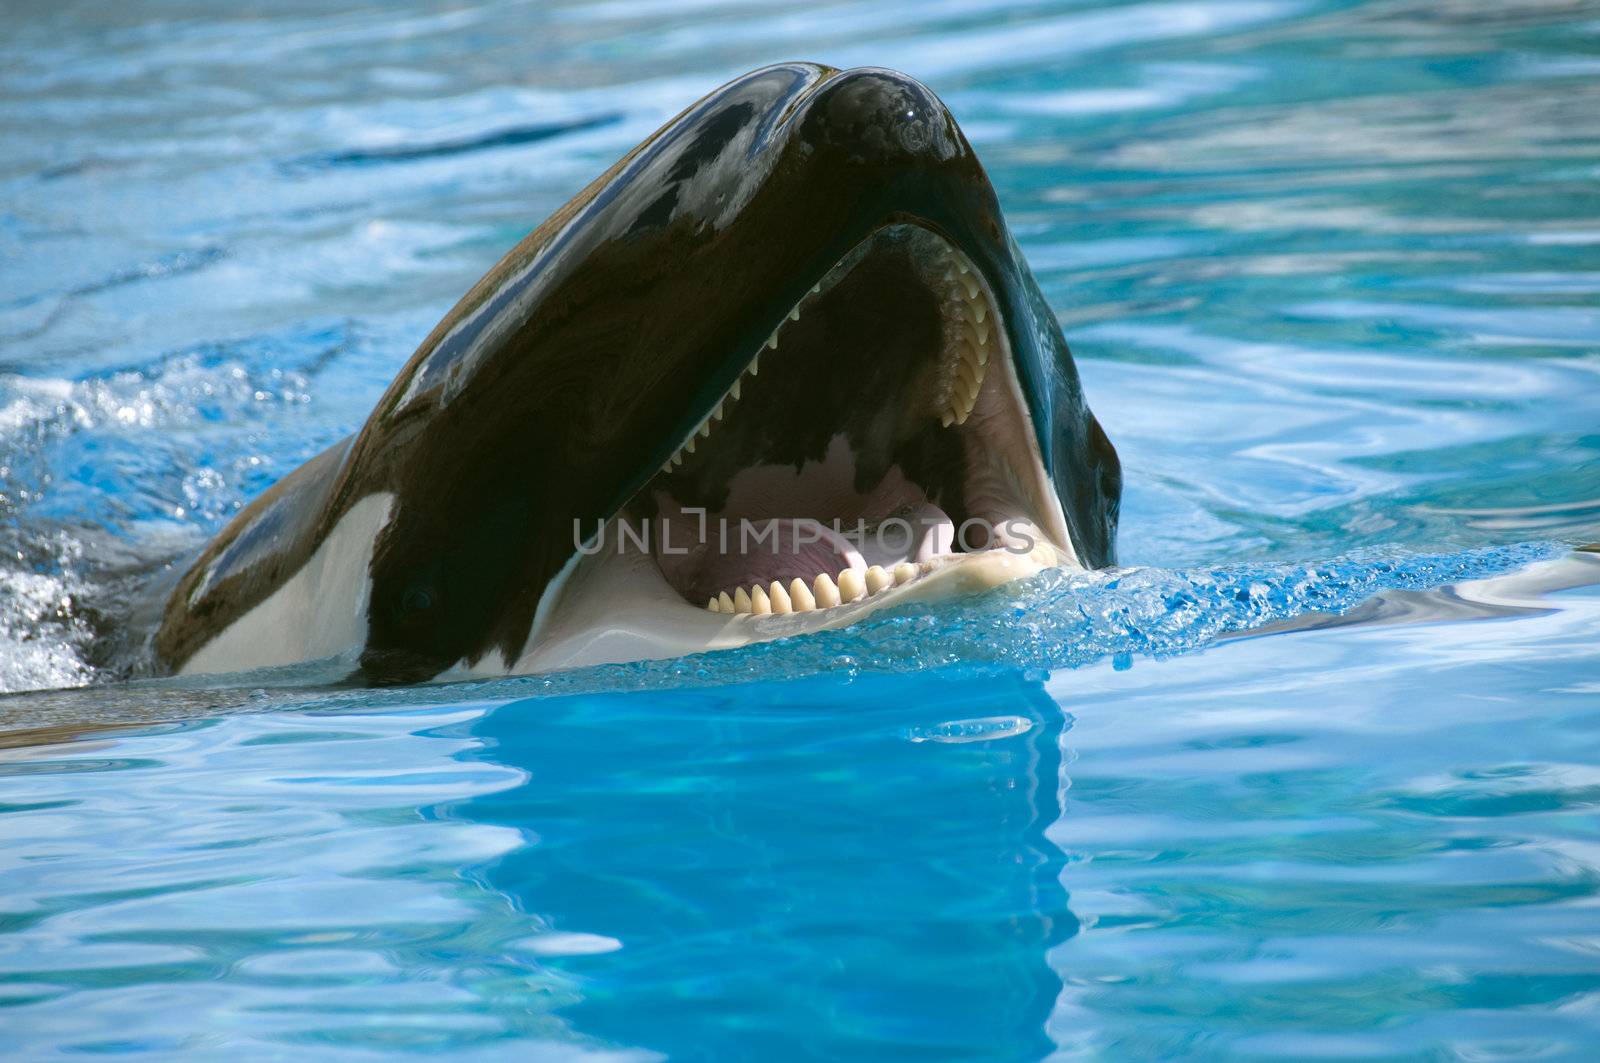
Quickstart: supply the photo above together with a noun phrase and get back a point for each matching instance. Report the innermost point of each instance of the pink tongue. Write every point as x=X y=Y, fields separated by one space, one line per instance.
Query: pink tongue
x=757 y=552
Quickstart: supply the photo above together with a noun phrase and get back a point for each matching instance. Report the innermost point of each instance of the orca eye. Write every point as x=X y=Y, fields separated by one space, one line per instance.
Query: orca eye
x=417 y=603
x=416 y=600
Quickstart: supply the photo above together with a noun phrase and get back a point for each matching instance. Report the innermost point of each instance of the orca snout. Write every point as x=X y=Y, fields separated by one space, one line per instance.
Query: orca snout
x=880 y=117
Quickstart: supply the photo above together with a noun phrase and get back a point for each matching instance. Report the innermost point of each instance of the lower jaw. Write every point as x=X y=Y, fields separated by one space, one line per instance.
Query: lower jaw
x=613 y=608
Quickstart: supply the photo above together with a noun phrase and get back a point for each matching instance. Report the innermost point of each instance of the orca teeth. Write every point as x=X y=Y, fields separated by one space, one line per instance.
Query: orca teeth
x=718 y=412
x=824 y=592
x=968 y=331
x=800 y=594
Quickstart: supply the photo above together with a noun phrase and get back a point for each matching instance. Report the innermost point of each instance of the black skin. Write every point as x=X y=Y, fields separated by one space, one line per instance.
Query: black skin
x=564 y=378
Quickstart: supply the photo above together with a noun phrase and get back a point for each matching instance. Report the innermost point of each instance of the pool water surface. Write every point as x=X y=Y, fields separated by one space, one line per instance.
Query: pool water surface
x=1314 y=774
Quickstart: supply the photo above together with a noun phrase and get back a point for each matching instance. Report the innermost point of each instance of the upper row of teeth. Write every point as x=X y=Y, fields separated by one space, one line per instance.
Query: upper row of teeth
x=967 y=367
x=970 y=338
x=853 y=585
x=720 y=410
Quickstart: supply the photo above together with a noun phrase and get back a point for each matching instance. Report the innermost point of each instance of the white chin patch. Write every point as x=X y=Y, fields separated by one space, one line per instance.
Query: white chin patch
x=318 y=612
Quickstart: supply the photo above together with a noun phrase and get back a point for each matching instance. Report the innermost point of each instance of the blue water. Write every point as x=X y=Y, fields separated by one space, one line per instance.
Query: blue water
x=1314 y=776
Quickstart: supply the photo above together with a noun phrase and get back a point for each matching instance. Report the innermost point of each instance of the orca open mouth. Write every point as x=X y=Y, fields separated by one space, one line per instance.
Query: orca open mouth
x=876 y=448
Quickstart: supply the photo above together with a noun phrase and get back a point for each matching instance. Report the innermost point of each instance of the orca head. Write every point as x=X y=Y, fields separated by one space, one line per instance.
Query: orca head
x=794 y=315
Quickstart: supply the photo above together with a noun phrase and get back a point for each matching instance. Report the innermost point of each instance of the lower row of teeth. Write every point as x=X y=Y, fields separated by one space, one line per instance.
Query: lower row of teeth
x=824 y=592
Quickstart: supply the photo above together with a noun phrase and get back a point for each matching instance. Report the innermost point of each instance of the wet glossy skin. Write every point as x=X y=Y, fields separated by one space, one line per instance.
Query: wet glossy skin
x=567 y=375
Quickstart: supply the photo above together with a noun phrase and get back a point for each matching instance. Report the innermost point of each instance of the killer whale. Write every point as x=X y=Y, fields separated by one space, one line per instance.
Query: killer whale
x=797 y=303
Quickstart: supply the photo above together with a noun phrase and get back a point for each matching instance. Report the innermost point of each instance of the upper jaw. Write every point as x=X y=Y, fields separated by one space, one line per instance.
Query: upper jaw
x=624 y=604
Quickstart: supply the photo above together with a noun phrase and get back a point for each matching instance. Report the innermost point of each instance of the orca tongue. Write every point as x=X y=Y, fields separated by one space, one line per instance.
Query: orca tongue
x=912 y=533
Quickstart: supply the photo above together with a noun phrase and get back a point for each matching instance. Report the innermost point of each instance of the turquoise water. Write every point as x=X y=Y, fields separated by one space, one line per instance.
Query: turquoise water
x=1315 y=775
